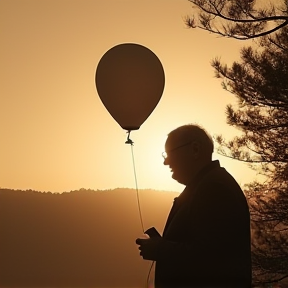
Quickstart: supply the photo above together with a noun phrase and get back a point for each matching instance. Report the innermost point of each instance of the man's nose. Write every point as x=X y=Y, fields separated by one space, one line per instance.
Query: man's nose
x=165 y=162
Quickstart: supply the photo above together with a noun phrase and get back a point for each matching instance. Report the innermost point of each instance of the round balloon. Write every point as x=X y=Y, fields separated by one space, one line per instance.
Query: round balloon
x=130 y=81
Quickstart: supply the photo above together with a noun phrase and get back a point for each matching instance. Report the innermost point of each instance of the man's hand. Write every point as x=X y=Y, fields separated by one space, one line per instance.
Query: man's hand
x=149 y=247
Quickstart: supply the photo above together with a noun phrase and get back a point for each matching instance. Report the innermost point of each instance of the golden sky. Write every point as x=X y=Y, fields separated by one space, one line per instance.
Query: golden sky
x=57 y=136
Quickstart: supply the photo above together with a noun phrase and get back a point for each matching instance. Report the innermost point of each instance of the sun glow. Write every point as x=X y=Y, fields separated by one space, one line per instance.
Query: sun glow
x=58 y=134
x=148 y=153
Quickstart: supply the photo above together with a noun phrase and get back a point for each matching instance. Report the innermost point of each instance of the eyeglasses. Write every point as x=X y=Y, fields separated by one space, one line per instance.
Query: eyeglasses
x=164 y=154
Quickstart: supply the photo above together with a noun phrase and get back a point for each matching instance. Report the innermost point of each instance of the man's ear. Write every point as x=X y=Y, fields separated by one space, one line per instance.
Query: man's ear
x=196 y=149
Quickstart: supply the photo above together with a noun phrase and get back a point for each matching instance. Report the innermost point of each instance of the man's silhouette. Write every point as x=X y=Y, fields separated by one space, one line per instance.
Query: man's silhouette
x=206 y=240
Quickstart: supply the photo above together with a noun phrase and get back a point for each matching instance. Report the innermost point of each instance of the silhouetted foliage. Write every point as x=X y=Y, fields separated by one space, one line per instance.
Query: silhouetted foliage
x=269 y=213
x=260 y=83
x=245 y=19
x=83 y=238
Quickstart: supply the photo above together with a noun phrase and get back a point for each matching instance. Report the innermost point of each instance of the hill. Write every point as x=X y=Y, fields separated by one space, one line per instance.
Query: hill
x=82 y=238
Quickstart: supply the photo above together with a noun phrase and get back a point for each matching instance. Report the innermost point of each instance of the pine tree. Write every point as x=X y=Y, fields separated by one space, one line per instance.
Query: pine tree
x=259 y=81
x=242 y=20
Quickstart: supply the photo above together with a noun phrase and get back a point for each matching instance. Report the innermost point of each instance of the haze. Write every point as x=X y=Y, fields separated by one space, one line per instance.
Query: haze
x=57 y=135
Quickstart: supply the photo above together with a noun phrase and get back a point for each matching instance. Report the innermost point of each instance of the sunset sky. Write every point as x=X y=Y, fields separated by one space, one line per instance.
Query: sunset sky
x=56 y=135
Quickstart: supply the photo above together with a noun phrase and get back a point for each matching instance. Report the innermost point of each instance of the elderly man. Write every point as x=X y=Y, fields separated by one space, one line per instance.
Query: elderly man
x=206 y=240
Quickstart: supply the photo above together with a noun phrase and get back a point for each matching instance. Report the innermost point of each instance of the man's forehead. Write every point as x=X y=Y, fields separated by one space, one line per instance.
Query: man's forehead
x=176 y=139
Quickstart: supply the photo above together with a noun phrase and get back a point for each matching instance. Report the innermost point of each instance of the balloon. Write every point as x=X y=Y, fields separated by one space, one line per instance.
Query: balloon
x=130 y=81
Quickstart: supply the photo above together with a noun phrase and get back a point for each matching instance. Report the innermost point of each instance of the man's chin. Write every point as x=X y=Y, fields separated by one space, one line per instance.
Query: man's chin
x=177 y=178
x=174 y=176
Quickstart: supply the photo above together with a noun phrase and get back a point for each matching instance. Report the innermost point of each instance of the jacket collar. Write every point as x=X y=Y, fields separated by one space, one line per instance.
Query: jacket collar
x=198 y=178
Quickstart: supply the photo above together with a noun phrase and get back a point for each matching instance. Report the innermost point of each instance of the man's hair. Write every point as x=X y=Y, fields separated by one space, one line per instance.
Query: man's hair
x=194 y=132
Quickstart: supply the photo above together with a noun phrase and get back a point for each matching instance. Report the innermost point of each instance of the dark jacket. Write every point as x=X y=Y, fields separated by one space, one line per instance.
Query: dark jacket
x=206 y=240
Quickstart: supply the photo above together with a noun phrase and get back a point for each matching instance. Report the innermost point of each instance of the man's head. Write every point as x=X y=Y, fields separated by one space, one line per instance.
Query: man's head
x=189 y=148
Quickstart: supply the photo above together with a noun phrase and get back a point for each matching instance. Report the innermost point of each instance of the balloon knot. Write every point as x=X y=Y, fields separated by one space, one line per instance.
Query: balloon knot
x=129 y=141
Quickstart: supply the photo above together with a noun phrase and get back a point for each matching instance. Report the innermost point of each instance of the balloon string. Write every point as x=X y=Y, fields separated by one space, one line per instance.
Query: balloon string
x=148 y=276
x=129 y=141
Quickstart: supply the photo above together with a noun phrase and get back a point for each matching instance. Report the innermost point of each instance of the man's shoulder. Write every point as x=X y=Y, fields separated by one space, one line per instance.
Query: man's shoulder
x=220 y=175
x=217 y=176
x=219 y=182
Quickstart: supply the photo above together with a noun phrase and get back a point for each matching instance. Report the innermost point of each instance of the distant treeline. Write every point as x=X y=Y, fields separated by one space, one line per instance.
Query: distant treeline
x=82 y=238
